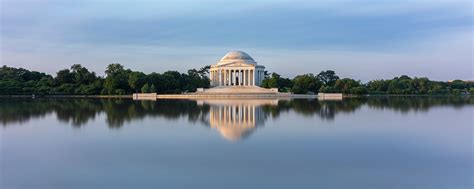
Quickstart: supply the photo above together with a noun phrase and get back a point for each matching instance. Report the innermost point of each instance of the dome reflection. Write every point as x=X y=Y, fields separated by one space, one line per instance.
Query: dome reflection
x=237 y=119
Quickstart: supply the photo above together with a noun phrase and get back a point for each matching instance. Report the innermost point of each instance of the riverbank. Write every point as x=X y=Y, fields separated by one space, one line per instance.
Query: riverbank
x=187 y=95
x=65 y=96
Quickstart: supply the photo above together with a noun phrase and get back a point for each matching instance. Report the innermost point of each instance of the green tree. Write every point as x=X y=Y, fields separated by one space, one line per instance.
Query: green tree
x=346 y=85
x=328 y=77
x=82 y=75
x=64 y=76
x=377 y=86
x=145 y=88
x=135 y=80
x=276 y=81
x=116 y=79
x=306 y=83
x=152 y=88
x=204 y=71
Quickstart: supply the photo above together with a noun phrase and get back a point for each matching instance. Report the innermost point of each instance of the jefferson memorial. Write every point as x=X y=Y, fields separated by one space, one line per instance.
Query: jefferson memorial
x=236 y=68
x=236 y=74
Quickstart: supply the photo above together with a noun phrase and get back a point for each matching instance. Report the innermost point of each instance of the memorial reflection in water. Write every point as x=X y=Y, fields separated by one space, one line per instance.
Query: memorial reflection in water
x=233 y=119
x=237 y=119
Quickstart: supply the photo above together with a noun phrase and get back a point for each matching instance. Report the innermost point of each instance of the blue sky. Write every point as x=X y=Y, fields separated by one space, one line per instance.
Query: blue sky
x=358 y=39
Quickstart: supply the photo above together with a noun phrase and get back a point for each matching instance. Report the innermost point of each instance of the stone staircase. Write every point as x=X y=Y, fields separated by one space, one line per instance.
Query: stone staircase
x=238 y=90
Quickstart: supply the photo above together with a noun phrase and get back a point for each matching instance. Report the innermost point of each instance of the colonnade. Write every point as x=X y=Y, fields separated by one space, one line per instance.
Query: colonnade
x=236 y=77
x=235 y=115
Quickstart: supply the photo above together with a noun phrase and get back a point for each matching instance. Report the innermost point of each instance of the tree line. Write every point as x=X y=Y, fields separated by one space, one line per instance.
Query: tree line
x=329 y=82
x=78 y=80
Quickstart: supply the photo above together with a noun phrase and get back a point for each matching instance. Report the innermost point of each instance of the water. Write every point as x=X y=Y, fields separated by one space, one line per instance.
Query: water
x=379 y=142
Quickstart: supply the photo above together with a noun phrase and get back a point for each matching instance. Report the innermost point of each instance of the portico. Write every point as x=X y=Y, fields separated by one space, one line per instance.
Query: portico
x=236 y=68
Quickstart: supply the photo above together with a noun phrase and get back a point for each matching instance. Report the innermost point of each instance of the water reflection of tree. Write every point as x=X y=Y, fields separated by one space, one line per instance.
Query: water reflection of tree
x=416 y=103
x=120 y=111
x=22 y=110
x=314 y=107
x=78 y=112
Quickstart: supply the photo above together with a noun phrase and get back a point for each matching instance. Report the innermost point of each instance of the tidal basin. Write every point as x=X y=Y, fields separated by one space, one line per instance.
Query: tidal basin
x=374 y=142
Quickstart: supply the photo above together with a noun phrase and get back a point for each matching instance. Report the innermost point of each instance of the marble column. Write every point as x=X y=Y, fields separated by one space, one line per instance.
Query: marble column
x=252 y=76
x=259 y=78
x=220 y=77
x=233 y=77
x=242 y=77
x=245 y=77
x=238 y=77
x=210 y=77
x=248 y=78
x=249 y=82
x=226 y=74
x=256 y=77
x=230 y=77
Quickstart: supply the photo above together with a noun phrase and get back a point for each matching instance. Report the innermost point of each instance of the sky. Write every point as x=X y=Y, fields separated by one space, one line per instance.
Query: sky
x=363 y=40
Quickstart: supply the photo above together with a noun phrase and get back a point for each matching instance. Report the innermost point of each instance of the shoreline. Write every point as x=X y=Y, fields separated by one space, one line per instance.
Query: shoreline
x=194 y=96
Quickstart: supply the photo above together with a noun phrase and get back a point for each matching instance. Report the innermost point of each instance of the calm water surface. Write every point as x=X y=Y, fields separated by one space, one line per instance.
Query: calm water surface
x=396 y=142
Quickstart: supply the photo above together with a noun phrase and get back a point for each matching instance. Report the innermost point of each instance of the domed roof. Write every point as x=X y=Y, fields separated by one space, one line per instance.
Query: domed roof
x=238 y=57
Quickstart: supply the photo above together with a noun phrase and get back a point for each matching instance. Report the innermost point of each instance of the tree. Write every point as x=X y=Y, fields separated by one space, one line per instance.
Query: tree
x=79 y=80
x=204 y=71
x=358 y=90
x=266 y=74
x=346 y=85
x=116 y=79
x=328 y=77
x=306 y=83
x=82 y=75
x=152 y=88
x=135 y=80
x=377 y=86
x=114 y=70
x=64 y=76
x=458 y=84
x=145 y=88
x=172 y=82
x=276 y=81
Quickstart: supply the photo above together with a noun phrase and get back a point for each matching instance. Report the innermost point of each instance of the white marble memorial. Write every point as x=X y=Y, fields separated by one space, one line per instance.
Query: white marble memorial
x=236 y=68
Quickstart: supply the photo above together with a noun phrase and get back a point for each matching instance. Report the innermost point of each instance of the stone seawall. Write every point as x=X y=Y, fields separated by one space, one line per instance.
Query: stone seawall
x=241 y=95
x=144 y=96
x=330 y=96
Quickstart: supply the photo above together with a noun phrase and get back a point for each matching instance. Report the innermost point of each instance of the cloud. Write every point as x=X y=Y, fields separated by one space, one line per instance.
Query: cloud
x=443 y=57
x=357 y=39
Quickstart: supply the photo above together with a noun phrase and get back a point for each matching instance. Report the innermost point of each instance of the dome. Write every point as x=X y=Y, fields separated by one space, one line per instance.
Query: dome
x=237 y=57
